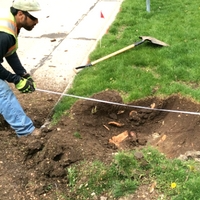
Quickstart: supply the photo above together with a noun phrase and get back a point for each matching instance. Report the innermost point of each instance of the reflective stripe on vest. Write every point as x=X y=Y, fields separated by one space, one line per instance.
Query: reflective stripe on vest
x=8 y=25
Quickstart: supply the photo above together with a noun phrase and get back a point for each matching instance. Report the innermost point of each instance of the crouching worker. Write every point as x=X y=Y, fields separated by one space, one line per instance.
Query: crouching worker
x=22 y=14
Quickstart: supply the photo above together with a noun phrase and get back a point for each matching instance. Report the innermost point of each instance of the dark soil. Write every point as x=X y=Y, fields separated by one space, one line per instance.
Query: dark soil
x=35 y=168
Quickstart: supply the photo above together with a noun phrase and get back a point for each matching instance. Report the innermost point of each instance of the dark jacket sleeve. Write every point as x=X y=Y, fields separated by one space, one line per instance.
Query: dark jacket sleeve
x=14 y=62
x=7 y=41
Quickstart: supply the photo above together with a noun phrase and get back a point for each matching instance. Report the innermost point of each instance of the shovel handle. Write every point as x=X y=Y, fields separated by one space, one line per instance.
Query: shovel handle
x=112 y=54
x=84 y=66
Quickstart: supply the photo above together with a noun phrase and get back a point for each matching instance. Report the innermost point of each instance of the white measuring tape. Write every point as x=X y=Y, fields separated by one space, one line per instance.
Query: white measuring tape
x=119 y=104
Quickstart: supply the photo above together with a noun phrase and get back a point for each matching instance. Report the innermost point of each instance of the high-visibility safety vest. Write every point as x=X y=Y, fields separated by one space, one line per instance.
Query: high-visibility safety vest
x=8 y=25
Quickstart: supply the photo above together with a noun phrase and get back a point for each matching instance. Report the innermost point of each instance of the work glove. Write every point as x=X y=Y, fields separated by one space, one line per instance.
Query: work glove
x=25 y=86
x=28 y=77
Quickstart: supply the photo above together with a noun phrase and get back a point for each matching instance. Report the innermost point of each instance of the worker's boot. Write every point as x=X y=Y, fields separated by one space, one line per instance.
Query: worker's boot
x=36 y=132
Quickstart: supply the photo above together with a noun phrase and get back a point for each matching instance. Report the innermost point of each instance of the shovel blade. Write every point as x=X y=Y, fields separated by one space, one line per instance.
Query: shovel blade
x=153 y=40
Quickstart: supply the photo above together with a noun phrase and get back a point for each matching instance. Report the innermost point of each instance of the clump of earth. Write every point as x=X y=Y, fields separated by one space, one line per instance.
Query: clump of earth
x=35 y=168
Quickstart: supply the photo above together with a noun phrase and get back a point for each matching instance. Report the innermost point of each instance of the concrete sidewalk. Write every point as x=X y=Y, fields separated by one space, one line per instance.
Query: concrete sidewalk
x=67 y=32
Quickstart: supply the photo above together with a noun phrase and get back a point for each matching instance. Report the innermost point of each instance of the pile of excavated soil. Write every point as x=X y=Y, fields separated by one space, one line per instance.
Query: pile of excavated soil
x=35 y=168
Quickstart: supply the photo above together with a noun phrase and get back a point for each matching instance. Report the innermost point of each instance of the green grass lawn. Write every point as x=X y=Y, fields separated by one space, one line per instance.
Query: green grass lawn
x=173 y=179
x=148 y=69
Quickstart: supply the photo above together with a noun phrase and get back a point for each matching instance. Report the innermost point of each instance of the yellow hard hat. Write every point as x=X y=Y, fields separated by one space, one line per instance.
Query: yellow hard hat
x=31 y=6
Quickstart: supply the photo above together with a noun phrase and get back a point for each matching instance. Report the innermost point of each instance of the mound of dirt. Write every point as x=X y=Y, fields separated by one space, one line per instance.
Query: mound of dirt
x=35 y=168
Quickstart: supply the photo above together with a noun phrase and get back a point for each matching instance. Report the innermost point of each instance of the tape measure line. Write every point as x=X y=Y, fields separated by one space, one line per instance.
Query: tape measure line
x=119 y=104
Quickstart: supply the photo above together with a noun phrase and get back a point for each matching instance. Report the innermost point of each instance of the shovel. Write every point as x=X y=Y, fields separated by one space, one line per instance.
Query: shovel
x=144 y=38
